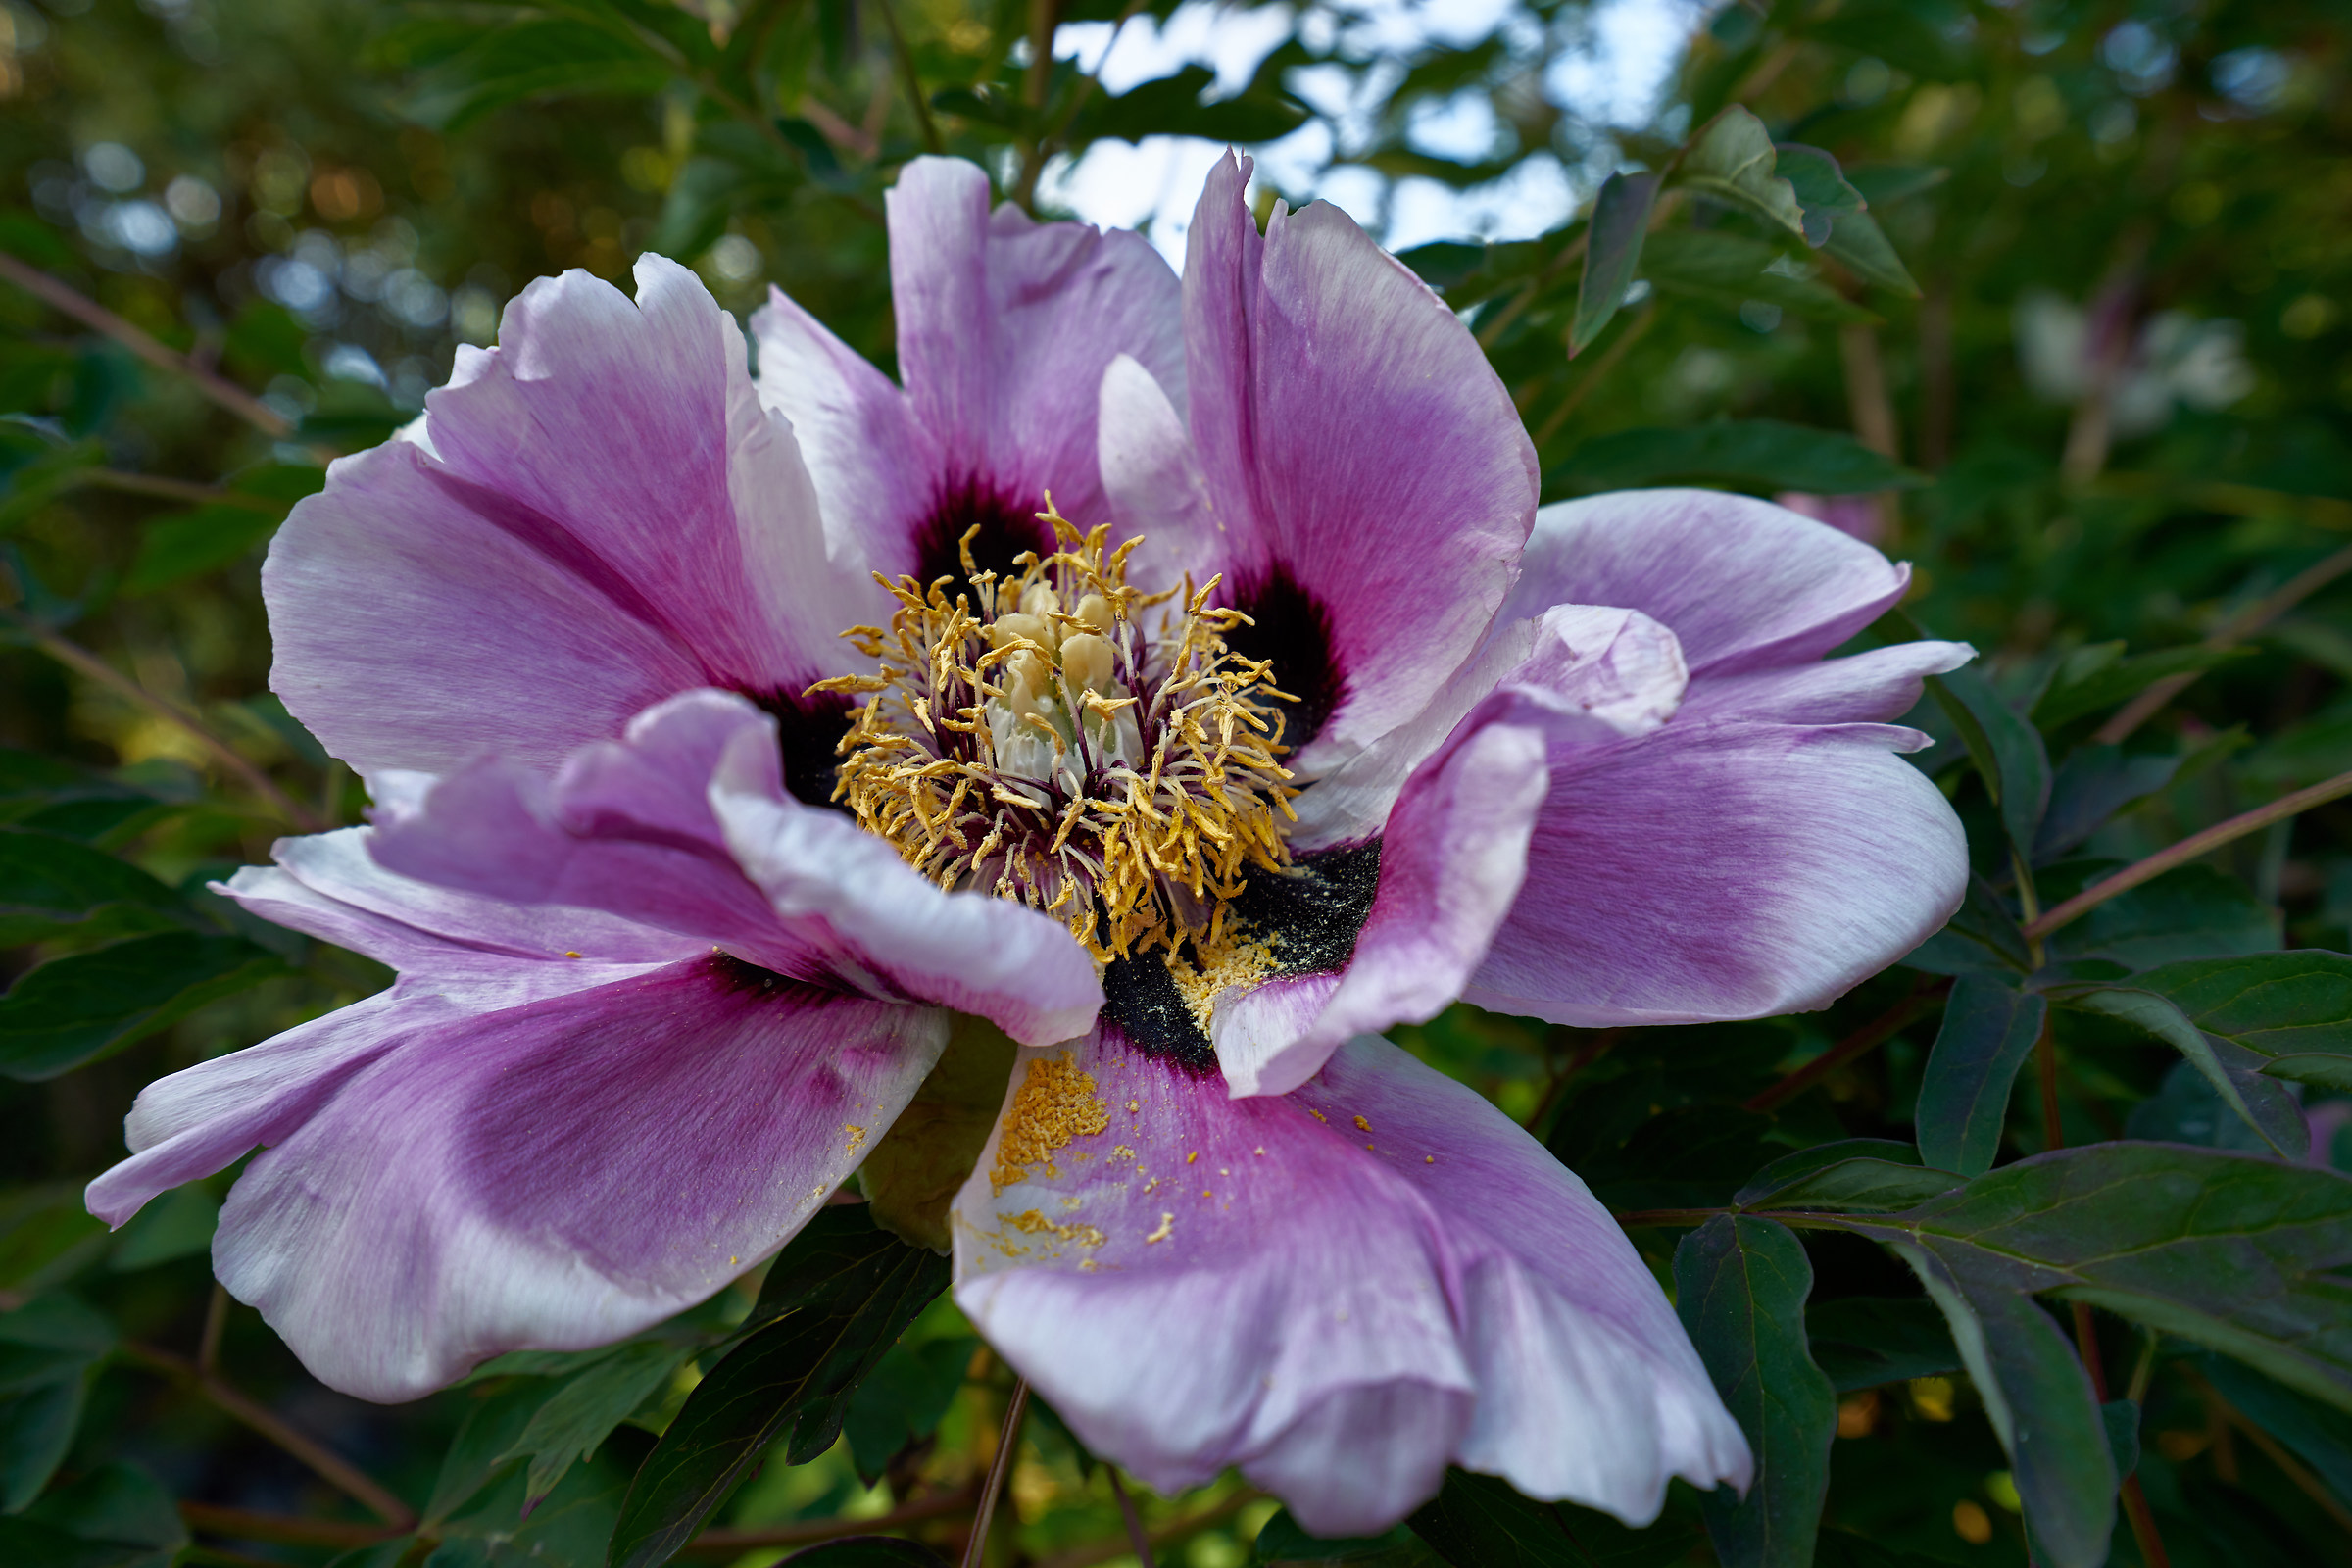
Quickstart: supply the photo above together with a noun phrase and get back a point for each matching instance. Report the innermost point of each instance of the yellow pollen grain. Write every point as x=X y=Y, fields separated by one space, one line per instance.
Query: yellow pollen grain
x=1259 y=1150
x=571 y=955
x=1429 y=1159
x=1193 y=1155
x=857 y=1136
x=1167 y=1227
x=1121 y=1152
x=1362 y=1126
x=1134 y=1110
x=1225 y=960
x=1318 y=1115
x=1032 y=1223
x=1055 y=1102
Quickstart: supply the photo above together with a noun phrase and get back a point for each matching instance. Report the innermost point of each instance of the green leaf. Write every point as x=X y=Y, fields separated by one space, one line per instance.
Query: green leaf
x=582 y=1412
x=177 y=1224
x=2040 y=1403
x=915 y=1170
x=568 y=1530
x=834 y=1302
x=1882 y=183
x=1733 y=160
x=534 y=60
x=1612 y=250
x=867 y=1551
x=1862 y=1342
x=74 y=1010
x=904 y=1400
x=1729 y=269
x=47 y=1235
x=117 y=1505
x=48 y=1348
x=2091 y=785
x=1479 y=1522
x=2111 y=685
x=1859 y=242
x=1281 y=1543
x=2121 y=1418
x=2191 y=911
x=2294 y=1007
x=2319 y=1436
x=1983 y=938
x=49 y=885
x=2007 y=751
x=175 y=548
x=1740 y=1285
x=1821 y=188
x=1988 y=1029
x=1174 y=106
x=2235 y=1073
x=490 y=1428
x=1761 y=455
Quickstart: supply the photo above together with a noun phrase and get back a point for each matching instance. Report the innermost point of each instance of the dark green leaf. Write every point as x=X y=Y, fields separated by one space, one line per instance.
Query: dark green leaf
x=1479 y=1522
x=177 y=1224
x=1732 y=160
x=833 y=1303
x=1863 y=1342
x=1843 y=1549
x=568 y=1529
x=867 y=1551
x=1984 y=938
x=177 y=548
x=1882 y=183
x=1282 y=1543
x=534 y=61
x=1789 y=1169
x=582 y=1412
x=76 y=1008
x=2294 y=1008
x=30 y=1544
x=1729 y=269
x=47 y=1235
x=1821 y=188
x=1762 y=454
x=118 y=1505
x=2191 y=911
x=2111 y=684
x=2121 y=1417
x=47 y=1349
x=2262 y=1102
x=49 y=885
x=2090 y=786
x=1174 y=106
x=904 y=1400
x=1612 y=250
x=1859 y=242
x=1740 y=1285
x=1988 y=1029
x=2007 y=751
x=491 y=1428
x=2319 y=1436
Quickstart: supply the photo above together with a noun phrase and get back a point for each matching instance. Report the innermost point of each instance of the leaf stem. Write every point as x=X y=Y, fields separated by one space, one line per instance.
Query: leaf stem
x=1009 y=1438
x=1118 y=1491
x=79 y=659
x=1871 y=1035
x=2187 y=850
x=331 y=1466
x=904 y=59
x=98 y=318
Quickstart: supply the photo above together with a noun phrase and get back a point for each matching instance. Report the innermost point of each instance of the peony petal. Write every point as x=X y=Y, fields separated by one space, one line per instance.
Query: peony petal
x=600 y=514
x=1450 y=866
x=1862 y=689
x=1311 y=1287
x=1745 y=584
x=848 y=891
x=1723 y=870
x=1373 y=476
x=684 y=825
x=1153 y=480
x=559 y=1175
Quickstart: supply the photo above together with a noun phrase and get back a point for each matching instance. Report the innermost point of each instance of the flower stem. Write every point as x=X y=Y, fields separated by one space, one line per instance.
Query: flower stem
x=2187 y=850
x=1871 y=1035
x=1009 y=1438
x=96 y=316
x=1135 y=1524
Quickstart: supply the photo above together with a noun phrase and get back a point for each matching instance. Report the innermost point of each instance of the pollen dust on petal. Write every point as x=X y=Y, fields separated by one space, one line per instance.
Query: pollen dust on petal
x=857 y=1136
x=1167 y=1227
x=1055 y=1102
x=1030 y=1222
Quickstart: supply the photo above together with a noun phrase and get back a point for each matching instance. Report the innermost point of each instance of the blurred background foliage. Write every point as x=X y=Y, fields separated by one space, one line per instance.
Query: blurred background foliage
x=2057 y=313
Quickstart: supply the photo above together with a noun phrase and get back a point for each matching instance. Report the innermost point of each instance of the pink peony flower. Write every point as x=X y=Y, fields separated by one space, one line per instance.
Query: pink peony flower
x=1287 y=720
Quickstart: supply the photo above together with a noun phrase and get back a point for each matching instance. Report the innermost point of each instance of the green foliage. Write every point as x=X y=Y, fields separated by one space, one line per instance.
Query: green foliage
x=1813 y=268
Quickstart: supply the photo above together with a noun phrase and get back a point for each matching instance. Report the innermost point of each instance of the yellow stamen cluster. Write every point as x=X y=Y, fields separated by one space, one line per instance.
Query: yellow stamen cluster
x=1124 y=782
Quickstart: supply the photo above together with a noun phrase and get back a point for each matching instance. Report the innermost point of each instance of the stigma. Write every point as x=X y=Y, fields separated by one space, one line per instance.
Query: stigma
x=1058 y=737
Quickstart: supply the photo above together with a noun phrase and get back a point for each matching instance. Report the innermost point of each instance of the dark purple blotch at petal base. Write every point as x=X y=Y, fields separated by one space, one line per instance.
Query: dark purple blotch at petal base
x=1290 y=629
x=1316 y=912
x=1009 y=525
x=809 y=726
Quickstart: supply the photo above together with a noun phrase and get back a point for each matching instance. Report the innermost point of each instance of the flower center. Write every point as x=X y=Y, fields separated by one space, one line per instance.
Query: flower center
x=1094 y=751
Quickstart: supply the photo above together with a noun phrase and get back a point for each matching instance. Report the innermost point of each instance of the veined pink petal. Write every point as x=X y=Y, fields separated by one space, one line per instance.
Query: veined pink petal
x=1005 y=327
x=1338 y=1291
x=558 y=1175
x=599 y=515
x=1723 y=870
x=1372 y=476
x=684 y=825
